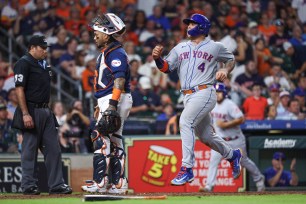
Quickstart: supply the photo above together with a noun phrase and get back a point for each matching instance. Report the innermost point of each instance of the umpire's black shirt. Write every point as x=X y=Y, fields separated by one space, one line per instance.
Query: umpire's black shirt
x=35 y=78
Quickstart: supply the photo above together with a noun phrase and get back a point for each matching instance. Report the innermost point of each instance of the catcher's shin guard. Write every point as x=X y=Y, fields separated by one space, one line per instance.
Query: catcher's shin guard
x=100 y=158
x=117 y=162
x=100 y=168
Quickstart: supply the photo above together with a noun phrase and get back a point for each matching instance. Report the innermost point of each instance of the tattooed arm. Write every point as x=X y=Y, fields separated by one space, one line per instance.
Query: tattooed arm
x=117 y=90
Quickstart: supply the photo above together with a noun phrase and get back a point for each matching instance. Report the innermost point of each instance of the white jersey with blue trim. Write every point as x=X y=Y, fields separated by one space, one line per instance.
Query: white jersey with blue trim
x=197 y=64
x=225 y=111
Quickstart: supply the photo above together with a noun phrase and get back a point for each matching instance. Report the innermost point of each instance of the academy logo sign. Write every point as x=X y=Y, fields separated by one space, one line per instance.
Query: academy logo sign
x=279 y=143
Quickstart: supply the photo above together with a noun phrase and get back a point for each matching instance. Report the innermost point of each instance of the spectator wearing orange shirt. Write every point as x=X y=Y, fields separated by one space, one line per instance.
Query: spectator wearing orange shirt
x=266 y=28
x=264 y=58
x=63 y=10
x=74 y=24
x=233 y=17
x=130 y=35
x=254 y=106
x=88 y=74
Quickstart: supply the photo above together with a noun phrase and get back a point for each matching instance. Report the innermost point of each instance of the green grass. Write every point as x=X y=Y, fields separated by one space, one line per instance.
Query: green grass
x=213 y=199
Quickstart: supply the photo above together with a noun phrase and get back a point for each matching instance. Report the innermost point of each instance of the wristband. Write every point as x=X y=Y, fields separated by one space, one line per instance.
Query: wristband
x=116 y=94
x=113 y=103
x=25 y=114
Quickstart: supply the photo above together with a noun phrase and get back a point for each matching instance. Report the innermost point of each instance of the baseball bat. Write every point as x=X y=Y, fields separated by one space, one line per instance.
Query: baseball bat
x=118 y=197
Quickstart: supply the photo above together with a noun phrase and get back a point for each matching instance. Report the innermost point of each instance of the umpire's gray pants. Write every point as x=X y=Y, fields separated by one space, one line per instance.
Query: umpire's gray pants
x=45 y=137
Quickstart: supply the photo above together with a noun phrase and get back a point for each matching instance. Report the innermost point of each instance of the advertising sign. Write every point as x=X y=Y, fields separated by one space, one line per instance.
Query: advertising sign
x=153 y=162
x=11 y=173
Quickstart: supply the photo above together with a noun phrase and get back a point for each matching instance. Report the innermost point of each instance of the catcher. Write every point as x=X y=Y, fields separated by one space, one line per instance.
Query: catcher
x=112 y=90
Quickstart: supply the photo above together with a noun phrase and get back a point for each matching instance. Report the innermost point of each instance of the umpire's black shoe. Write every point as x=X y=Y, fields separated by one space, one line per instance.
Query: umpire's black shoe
x=62 y=189
x=31 y=191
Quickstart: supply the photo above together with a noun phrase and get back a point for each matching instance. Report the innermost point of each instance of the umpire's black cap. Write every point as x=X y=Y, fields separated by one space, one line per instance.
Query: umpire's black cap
x=38 y=40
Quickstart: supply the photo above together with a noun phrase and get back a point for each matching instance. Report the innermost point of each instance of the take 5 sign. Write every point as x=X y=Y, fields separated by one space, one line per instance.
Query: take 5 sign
x=153 y=162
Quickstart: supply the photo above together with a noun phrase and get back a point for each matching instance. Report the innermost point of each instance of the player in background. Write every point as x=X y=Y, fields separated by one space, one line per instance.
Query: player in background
x=227 y=118
x=112 y=89
x=196 y=62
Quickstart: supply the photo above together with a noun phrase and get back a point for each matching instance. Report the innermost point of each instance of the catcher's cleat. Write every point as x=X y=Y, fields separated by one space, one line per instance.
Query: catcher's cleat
x=235 y=163
x=185 y=175
x=93 y=187
x=122 y=190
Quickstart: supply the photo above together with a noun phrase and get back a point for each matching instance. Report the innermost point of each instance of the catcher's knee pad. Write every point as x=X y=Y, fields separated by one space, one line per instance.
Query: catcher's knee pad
x=100 y=168
x=100 y=143
x=117 y=162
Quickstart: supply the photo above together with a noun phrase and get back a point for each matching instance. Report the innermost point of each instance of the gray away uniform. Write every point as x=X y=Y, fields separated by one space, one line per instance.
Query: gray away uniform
x=197 y=65
x=227 y=110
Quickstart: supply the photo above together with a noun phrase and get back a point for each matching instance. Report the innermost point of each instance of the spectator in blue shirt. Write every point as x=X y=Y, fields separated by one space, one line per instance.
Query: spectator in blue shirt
x=276 y=176
x=145 y=101
x=158 y=18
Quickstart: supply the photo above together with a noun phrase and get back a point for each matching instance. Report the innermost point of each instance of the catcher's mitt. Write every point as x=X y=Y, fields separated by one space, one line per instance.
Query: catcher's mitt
x=109 y=123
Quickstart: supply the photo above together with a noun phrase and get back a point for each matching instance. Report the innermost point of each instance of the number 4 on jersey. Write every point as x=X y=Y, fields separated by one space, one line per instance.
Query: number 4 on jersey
x=201 y=67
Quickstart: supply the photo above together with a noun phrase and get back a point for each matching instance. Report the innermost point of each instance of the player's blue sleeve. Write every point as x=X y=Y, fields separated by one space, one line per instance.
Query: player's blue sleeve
x=288 y=177
x=269 y=173
x=162 y=65
x=118 y=62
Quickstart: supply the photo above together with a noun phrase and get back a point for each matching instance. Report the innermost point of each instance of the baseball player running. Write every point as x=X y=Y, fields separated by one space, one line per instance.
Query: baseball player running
x=196 y=63
x=227 y=118
x=112 y=89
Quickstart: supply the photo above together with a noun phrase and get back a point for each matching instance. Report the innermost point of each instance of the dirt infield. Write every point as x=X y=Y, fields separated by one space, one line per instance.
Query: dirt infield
x=80 y=195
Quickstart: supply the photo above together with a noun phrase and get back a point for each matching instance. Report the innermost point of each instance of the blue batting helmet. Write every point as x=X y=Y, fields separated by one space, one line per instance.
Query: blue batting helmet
x=220 y=87
x=203 y=25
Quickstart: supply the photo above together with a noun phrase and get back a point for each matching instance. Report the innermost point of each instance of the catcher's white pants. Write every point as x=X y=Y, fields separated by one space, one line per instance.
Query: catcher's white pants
x=124 y=107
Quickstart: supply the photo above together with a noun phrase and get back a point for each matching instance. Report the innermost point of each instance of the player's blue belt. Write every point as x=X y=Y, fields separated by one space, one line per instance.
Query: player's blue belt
x=230 y=138
x=194 y=89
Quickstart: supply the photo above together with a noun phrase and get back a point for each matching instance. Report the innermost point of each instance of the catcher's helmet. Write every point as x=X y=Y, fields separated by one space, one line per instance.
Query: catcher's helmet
x=220 y=87
x=109 y=24
x=203 y=25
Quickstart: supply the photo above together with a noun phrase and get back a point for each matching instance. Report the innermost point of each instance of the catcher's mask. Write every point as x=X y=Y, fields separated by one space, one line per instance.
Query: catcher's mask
x=109 y=24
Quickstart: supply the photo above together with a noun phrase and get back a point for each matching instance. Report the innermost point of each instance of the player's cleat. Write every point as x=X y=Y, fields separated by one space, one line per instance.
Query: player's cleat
x=93 y=187
x=185 y=175
x=261 y=184
x=62 y=189
x=207 y=188
x=31 y=191
x=123 y=190
x=235 y=163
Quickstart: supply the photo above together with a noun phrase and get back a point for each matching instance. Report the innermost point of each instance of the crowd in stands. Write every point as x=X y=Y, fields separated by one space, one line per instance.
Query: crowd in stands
x=268 y=39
